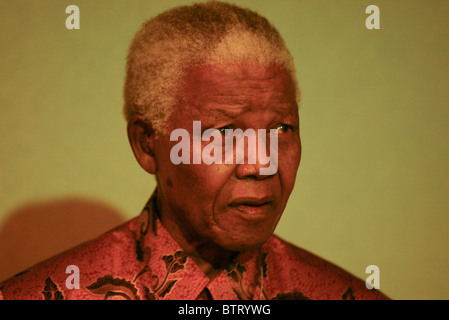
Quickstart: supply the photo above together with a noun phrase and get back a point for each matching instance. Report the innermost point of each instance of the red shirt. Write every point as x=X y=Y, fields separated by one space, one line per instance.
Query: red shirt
x=140 y=260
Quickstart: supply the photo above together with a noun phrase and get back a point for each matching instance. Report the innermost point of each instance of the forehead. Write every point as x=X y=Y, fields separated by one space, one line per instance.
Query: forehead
x=236 y=86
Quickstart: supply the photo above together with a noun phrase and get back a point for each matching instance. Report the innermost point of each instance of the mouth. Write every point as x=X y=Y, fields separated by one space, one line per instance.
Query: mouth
x=253 y=206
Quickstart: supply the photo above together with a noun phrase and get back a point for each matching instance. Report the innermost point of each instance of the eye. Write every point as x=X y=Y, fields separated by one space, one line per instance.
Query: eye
x=225 y=131
x=283 y=128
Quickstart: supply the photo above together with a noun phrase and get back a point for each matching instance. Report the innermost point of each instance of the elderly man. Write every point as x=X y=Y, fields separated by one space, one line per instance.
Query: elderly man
x=197 y=77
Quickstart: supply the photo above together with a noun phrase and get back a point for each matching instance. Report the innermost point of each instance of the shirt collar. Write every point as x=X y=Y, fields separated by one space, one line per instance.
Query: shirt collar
x=169 y=273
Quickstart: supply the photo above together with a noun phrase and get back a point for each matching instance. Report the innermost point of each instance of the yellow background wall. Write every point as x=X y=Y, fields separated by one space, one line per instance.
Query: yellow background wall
x=373 y=184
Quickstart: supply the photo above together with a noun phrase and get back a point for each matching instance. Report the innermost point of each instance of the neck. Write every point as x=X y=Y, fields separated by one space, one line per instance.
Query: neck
x=208 y=256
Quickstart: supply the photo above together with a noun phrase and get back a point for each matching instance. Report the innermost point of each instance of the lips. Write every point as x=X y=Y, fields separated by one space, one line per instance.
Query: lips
x=254 y=207
x=251 y=201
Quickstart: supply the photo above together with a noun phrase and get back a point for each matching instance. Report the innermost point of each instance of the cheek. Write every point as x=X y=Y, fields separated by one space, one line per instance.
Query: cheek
x=194 y=181
x=289 y=159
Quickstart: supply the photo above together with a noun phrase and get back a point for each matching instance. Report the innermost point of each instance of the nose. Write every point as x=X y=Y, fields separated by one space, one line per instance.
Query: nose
x=256 y=163
x=247 y=170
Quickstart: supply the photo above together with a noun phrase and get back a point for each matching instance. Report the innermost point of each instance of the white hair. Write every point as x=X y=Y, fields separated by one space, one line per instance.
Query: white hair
x=213 y=33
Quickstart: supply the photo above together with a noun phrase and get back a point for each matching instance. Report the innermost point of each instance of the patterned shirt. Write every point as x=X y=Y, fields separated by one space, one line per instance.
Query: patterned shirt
x=140 y=260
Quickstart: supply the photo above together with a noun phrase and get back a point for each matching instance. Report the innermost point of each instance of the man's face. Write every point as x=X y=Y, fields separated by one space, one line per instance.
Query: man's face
x=231 y=205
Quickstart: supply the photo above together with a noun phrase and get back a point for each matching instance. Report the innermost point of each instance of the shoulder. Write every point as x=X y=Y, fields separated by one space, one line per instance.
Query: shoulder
x=47 y=280
x=305 y=273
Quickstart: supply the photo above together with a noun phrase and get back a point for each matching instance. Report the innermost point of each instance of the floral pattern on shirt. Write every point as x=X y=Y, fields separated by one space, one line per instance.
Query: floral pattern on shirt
x=139 y=260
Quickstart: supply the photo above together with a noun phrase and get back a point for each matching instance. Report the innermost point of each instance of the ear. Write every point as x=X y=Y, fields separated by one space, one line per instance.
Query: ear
x=141 y=137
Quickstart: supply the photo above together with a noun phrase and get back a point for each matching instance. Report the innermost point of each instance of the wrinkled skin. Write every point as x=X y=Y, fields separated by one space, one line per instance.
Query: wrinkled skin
x=214 y=210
